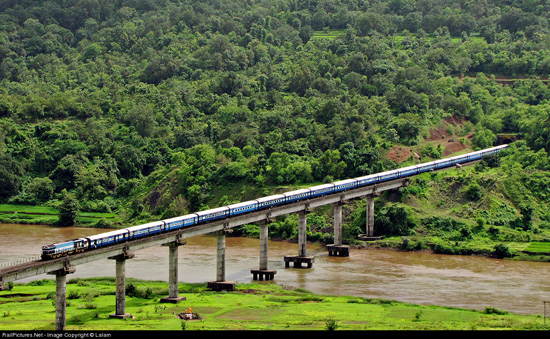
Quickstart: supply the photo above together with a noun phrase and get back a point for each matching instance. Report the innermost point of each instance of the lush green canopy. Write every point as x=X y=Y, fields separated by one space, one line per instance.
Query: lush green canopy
x=98 y=97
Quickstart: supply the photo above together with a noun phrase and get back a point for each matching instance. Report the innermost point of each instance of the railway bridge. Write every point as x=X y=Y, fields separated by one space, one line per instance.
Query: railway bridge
x=120 y=253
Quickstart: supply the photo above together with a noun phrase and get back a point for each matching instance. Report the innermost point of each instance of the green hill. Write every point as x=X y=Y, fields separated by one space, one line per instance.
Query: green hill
x=147 y=109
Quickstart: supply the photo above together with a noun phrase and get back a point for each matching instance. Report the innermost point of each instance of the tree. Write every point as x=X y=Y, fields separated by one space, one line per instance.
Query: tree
x=483 y=137
x=41 y=189
x=370 y=22
x=68 y=210
x=394 y=220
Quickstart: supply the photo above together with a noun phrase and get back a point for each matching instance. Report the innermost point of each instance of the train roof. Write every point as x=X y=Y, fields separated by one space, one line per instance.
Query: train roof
x=241 y=204
x=389 y=172
x=368 y=176
x=300 y=191
x=181 y=217
x=320 y=187
x=345 y=181
x=408 y=168
x=150 y=224
x=213 y=210
x=106 y=234
x=271 y=197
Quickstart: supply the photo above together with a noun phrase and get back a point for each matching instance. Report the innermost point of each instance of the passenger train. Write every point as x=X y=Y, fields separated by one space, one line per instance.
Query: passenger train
x=137 y=232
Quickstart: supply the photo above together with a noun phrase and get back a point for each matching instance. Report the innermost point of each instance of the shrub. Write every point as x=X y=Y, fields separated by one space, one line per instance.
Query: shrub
x=502 y=251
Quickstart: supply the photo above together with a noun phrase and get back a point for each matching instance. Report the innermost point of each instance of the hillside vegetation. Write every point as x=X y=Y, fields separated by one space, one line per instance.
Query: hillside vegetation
x=148 y=109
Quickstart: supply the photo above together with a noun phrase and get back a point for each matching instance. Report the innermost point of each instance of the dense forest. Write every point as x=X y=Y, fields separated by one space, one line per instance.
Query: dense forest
x=157 y=108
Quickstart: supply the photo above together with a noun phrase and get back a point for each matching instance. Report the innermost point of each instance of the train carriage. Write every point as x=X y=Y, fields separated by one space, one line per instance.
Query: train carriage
x=180 y=222
x=367 y=180
x=321 y=190
x=344 y=185
x=107 y=239
x=390 y=175
x=475 y=156
x=243 y=207
x=273 y=200
x=145 y=230
x=427 y=167
x=444 y=163
x=408 y=171
x=297 y=195
x=213 y=214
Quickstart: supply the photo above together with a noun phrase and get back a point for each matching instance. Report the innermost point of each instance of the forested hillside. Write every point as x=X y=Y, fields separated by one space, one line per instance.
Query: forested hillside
x=155 y=108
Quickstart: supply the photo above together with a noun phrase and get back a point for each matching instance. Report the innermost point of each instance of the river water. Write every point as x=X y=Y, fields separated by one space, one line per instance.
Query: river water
x=415 y=277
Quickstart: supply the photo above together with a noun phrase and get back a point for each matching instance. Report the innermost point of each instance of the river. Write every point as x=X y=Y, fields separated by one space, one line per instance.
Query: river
x=414 y=277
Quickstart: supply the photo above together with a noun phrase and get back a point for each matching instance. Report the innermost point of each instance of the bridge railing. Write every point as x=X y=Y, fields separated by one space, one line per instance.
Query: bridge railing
x=20 y=261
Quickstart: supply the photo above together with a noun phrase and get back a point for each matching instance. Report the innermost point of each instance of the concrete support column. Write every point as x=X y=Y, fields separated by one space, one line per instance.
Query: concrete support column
x=61 y=297
x=302 y=234
x=264 y=237
x=263 y=272
x=173 y=272
x=369 y=220
x=220 y=263
x=221 y=283
x=370 y=216
x=338 y=224
x=301 y=258
x=338 y=249
x=121 y=286
x=60 y=301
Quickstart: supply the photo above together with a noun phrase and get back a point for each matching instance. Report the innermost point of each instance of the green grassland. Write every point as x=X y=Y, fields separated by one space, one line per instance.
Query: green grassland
x=250 y=307
x=44 y=215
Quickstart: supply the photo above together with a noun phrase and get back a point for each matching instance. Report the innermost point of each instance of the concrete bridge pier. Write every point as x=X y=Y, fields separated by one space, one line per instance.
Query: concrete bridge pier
x=302 y=257
x=338 y=249
x=263 y=273
x=61 y=296
x=369 y=223
x=370 y=216
x=221 y=284
x=173 y=272
x=121 y=285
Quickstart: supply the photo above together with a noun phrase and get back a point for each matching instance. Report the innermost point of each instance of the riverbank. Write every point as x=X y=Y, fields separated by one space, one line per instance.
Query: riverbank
x=47 y=215
x=255 y=306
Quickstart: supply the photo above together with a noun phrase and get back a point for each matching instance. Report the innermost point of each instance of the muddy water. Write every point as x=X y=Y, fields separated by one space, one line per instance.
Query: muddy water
x=421 y=278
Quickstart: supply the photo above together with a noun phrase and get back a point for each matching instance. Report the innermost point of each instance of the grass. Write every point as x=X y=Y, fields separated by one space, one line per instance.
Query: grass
x=328 y=34
x=538 y=248
x=251 y=307
x=43 y=215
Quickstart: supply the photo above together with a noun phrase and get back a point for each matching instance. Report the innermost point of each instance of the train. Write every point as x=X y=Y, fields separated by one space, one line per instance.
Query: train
x=102 y=240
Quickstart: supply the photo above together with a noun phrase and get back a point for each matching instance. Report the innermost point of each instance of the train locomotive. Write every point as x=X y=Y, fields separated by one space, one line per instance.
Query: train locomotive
x=140 y=231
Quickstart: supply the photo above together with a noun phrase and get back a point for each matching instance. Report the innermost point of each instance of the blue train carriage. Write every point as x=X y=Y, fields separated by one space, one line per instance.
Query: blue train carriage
x=444 y=163
x=389 y=175
x=57 y=250
x=108 y=239
x=496 y=149
x=271 y=201
x=318 y=191
x=145 y=230
x=367 y=180
x=475 y=156
x=243 y=207
x=426 y=167
x=344 y=185
x=408 y=171
x=181 y=222
x=297 y=195
x=213 y=214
